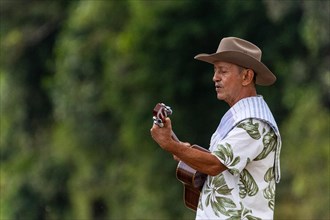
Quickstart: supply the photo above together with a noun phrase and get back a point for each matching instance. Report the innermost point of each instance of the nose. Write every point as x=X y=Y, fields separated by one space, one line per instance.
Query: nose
x=216 y=77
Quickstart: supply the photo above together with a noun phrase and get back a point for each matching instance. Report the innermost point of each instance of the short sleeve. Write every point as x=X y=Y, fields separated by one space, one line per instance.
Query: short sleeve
x=241 y=145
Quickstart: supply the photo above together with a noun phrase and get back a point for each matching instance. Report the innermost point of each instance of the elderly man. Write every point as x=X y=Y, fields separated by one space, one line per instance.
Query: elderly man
x=243 y=162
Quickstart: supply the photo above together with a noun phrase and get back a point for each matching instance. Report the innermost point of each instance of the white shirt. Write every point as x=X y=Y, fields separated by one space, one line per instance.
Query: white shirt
x=246 y=190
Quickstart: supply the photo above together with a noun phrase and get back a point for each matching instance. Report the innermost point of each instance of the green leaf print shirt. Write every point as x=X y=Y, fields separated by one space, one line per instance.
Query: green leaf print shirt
x=246 y=190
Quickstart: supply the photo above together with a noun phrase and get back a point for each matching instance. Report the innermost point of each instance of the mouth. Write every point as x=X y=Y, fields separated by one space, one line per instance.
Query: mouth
x=217 y=87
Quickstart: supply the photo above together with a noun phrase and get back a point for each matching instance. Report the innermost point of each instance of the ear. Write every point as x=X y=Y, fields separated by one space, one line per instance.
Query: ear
x=247 y=76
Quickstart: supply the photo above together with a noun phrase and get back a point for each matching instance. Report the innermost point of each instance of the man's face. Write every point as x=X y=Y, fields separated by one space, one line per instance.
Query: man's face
x=228 y=82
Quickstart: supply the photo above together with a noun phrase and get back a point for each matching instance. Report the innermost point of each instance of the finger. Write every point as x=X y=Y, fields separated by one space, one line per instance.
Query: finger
x=168 y=123
x=176 y=158
x=186 y=144
x=152 y=131
x=154 y=127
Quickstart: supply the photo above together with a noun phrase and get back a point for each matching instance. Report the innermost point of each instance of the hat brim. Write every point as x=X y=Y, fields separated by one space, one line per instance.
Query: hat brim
x=264 y=76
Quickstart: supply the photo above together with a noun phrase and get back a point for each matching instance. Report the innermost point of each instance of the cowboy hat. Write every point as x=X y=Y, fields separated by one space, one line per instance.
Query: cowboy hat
x=242 y=53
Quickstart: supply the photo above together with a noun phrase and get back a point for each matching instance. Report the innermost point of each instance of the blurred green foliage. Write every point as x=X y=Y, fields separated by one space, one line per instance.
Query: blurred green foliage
x=79 y=80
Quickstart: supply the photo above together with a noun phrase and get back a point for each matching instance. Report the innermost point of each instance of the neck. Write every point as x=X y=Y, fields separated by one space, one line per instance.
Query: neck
x=248 y=92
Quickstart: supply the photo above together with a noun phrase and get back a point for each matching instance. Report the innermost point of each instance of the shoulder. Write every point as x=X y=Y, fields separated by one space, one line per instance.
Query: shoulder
x=253 y=128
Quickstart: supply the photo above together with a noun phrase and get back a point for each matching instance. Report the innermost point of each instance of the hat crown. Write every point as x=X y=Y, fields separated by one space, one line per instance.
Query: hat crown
x=239 y=45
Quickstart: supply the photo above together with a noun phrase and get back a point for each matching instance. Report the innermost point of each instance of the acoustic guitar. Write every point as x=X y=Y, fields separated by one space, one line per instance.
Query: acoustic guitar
x=192 y=179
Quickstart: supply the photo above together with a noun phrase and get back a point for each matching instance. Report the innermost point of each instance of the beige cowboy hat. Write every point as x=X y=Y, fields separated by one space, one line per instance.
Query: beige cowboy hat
x=242 y=53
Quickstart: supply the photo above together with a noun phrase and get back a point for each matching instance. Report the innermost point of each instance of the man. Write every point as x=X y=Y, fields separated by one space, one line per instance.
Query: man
x=243 y=162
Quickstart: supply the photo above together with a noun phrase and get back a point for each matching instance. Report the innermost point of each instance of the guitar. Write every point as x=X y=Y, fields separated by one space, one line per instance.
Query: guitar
x=192 y=179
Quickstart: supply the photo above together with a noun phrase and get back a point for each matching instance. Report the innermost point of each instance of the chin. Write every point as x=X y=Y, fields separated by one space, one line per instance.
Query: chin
x=219 y=96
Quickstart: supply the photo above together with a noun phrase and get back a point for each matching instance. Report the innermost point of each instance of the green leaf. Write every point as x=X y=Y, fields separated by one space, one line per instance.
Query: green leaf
x=269 y=194
x=250 y=217
x=247 y=184
x=250 y=128
x=269 y=142
x=225 y=152
x=221 y=205
x=269 y=176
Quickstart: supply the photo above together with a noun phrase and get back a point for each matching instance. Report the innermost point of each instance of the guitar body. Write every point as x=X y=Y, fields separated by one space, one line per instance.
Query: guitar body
x=192 y=180
x=191 y=197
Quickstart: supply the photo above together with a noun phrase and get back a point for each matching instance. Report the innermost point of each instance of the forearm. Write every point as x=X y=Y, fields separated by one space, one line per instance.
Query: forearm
x=202 y=161
x=199 y=160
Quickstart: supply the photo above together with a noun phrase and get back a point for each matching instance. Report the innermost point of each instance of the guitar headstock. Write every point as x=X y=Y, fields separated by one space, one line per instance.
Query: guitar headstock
x=160 y=112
